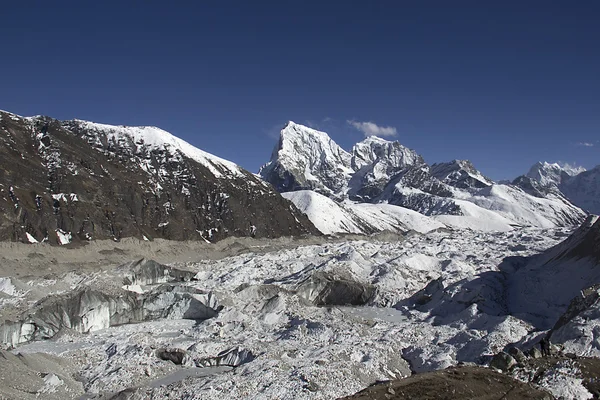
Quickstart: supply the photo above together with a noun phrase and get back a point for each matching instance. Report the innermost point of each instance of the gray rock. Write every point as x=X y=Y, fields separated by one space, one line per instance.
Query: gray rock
x=174 y=355
x=517 y=354
x=503 y=361
x=534 y=352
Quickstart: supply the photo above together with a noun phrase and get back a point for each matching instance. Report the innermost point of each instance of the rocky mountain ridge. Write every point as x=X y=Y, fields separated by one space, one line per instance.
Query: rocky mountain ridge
x=78 y=181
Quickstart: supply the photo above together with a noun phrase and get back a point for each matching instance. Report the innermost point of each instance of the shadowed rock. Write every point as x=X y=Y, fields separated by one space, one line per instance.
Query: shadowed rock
x=325 y=289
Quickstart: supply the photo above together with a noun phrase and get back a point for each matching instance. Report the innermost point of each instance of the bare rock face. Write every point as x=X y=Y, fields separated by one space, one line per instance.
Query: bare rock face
x=75 y=181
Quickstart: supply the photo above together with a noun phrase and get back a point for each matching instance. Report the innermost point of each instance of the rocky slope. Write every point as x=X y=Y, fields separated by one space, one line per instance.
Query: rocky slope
x=453 y=383
x=378 y=171
x=78 y=181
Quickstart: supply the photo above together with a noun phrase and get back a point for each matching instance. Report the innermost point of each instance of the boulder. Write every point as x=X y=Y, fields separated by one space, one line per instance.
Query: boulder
x=534 y=352
x=503 y=361
x=517 y=354
x=175 y=355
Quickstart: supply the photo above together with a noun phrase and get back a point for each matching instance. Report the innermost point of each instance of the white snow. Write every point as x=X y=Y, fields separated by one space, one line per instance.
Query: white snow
x=331 y=217
x=7 y=287
x=157 y=138
x=30 y=238
x=66 y=197
x=63 y=237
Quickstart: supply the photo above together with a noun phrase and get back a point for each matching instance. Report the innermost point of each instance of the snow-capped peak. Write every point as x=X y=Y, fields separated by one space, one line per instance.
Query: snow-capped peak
x=306 y=158
x=156 y=138
x=375 y=149
x=552 y=174
x=461 y=174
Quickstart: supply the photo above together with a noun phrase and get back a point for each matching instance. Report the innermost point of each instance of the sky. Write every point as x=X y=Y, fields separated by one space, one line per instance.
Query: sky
x=502 y=83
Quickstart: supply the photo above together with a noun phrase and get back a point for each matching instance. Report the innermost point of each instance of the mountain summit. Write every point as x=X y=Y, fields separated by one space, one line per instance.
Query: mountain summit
x=307 y=159
x=580 y=186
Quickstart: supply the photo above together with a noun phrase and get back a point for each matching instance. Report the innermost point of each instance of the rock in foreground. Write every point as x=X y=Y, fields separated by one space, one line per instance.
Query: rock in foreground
x=453 y=383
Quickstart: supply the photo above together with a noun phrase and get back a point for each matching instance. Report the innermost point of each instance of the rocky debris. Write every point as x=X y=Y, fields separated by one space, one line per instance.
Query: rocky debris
x=586 y=299
x=503 y=361
x=534 y=352
x=453 y=383
x=81 y=181
x=565 y=377
x=325 y=289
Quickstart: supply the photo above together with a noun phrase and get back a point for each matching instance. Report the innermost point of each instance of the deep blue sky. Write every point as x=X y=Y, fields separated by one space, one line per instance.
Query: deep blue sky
x=503 y=84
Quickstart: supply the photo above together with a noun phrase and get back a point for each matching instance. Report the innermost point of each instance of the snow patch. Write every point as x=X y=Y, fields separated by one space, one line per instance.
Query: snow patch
x=63 y=237
x=30 y=238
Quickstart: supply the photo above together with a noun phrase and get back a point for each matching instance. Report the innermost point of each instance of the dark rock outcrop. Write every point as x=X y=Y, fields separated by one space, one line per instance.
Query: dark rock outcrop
x=78 y=181
x=453 y=383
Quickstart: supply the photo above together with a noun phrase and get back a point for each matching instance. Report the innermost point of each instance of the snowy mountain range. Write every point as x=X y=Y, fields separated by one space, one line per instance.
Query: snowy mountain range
x=384 y=174
x=77 y=181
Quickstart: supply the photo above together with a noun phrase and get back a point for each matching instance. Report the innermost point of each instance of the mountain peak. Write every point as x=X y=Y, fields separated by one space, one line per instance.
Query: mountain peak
x=461 y=174
x=153 y=138
x=306 y=158
x=552 y=174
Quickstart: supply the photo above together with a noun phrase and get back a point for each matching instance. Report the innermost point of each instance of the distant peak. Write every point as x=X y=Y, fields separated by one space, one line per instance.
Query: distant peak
x=374 y=138
x=544 y=167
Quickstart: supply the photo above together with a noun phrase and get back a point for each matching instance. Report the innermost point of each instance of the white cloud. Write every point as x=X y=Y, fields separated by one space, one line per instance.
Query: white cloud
x=585 y=144
x=372 y=129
